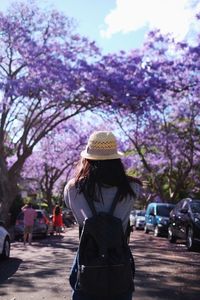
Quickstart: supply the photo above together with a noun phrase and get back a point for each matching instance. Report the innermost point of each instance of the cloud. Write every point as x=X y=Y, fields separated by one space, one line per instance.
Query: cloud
x=170 y=16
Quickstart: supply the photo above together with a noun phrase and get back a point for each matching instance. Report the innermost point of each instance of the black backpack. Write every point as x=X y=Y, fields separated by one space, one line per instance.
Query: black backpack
x=105 y=266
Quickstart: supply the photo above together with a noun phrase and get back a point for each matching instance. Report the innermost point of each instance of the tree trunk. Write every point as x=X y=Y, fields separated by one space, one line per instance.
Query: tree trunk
x=8 y=193
x=9 y=179
x=49 y=200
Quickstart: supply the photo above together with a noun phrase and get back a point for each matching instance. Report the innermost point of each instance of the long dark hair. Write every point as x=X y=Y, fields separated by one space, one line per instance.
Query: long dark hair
x=57 y=210
x=94 y=174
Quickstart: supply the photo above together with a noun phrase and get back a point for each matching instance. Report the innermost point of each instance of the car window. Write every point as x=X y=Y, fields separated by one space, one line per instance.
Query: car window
x=185 y=205
x=195 y=207
x=151 y=211
x=164 y=211
x=179 y=205
x=140 y=213
x=39 y=215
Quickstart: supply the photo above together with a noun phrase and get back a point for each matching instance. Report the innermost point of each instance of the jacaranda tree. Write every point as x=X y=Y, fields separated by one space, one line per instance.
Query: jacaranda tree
x=165 y=139
x=48 y=75
x=41 y=61
x=48 y=168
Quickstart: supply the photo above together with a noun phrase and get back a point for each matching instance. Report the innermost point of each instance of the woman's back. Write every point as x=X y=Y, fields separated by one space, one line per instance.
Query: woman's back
x=100 y=177
x=77 y=203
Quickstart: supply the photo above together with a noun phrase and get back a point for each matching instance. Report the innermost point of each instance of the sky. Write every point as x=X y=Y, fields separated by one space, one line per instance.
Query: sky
x=123 y=24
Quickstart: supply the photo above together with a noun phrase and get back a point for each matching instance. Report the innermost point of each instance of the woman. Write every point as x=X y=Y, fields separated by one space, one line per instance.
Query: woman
x=100 y=175
x=57 y=219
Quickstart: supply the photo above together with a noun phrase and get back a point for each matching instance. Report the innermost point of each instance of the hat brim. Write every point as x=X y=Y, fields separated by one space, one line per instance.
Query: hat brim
x=86 y=155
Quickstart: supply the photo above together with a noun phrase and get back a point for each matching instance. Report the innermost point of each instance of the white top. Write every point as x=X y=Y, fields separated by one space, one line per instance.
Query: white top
x=77 y=203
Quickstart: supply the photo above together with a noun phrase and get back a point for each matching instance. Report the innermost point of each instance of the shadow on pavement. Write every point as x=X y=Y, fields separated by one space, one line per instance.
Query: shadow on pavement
x=58 y=242
x=165 y=271
x=8 y=268
x=42 y=270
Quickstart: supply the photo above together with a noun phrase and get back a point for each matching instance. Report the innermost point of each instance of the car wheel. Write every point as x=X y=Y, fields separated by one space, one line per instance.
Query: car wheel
x=171 y=236
x=146 y=230
x=156 y=231
x=190 y=239
x=6 y=249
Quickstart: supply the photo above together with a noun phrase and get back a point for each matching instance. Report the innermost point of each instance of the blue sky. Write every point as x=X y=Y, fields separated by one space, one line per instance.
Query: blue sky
x=122 y=24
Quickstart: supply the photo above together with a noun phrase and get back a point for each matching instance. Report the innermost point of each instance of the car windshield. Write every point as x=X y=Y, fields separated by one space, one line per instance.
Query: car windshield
x=164 y=211
x=195 y=207
x=39 y=215
x=141 y=213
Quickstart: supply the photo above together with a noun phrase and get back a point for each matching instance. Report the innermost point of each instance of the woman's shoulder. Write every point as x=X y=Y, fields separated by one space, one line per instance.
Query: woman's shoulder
x=70 y=184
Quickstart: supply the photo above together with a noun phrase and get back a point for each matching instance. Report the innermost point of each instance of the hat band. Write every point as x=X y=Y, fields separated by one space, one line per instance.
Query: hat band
x=100 y=152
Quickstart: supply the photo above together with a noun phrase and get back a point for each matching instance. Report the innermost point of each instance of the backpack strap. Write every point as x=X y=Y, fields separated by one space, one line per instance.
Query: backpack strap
x=92 y=206
x=90 y=203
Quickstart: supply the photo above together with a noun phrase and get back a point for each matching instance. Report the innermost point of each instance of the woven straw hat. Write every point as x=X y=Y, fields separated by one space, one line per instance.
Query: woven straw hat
x=102 y=145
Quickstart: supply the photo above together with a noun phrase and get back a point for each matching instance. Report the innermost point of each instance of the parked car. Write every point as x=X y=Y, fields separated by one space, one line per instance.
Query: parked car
x=140 y=219
x=157 y=218
x=133 y=216
x=4 y=242
x=185 y=222
x=51 y=228
x=40 y=227
x=137 y=218
x=68 y=217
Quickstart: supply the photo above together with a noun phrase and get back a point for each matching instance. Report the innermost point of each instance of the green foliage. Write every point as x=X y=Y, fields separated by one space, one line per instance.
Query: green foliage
x=27 y=200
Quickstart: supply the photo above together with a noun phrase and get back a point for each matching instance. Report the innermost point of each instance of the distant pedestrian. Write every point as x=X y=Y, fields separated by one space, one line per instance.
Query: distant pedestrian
x=29 y=217
x=57 y=219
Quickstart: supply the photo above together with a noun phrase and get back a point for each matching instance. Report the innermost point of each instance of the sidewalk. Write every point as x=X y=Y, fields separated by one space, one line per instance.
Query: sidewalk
x=40 y=271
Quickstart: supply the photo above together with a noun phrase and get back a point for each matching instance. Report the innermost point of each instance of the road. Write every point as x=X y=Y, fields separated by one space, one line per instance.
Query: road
x=40 y=271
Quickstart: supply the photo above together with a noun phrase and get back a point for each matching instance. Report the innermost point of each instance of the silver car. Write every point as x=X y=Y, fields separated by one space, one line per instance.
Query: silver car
x=4 y=242
x=137 y=218
x=140 y=220
x=40 y=227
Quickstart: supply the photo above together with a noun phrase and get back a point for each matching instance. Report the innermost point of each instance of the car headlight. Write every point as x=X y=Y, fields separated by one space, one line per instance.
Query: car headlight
x=196 y=220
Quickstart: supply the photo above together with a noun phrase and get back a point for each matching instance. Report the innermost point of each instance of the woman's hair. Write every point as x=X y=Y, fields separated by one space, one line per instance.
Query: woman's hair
x=93 y=174
x=57 y=210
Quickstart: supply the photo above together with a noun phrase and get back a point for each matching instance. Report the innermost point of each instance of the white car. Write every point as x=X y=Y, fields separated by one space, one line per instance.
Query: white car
x=4 y=242
x=137 y=218
x=140 y=220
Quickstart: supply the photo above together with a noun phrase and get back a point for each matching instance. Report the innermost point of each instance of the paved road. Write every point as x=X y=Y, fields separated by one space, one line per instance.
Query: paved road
x=40 y=271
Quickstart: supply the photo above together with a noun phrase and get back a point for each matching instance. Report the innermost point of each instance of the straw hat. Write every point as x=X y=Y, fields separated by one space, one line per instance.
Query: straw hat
x=102 y=145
